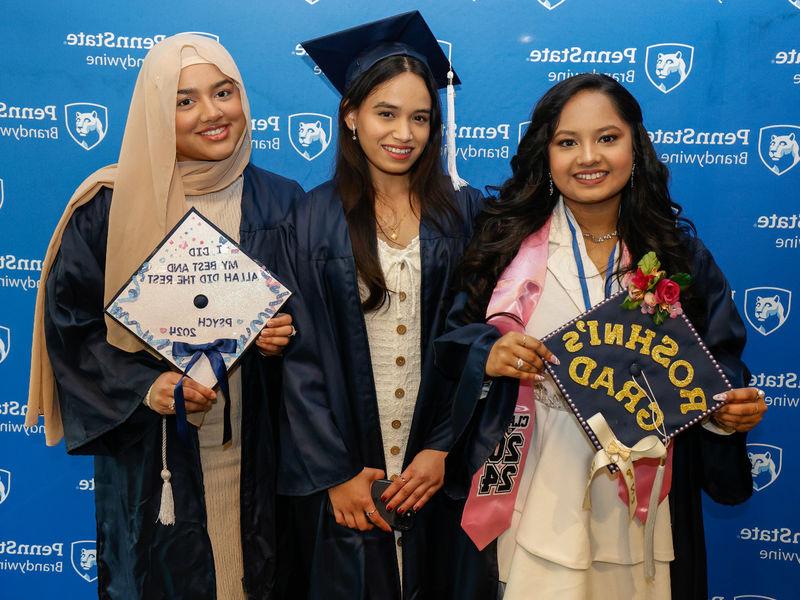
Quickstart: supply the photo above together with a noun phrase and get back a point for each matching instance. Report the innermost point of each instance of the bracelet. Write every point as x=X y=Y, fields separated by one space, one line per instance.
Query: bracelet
x=146 y=400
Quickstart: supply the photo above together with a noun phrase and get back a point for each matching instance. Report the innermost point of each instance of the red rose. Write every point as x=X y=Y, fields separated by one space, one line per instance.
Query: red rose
x=640 y=280
x=667 y=291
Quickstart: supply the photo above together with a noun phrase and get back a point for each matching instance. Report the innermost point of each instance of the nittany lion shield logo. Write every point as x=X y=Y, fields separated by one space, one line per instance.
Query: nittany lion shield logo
x=522 y=128
x=5 y=484
x=551 y=4
x=84 y=559
x=5 y=342
x=795 y=3
x=668 y=65
x=767 y=308
x=87 y=123
x=779 y=147
x=765 y=464
x=310 y=134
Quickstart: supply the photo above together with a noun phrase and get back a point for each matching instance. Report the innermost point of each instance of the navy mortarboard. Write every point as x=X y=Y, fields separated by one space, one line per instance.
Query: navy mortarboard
x=346 y=55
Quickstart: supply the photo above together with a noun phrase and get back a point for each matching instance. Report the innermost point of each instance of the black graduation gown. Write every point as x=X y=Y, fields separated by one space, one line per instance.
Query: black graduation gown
x=101 y=389
x=702 y=460
x=330 y=432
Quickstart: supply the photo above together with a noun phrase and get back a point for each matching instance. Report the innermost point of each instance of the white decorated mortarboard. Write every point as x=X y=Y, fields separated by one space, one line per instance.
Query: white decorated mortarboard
x=199 y=301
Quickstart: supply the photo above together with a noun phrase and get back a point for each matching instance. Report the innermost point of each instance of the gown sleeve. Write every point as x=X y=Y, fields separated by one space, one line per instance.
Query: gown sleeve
x=314 y=452
x=481 y=407
x=725 y=469
x=100 y=387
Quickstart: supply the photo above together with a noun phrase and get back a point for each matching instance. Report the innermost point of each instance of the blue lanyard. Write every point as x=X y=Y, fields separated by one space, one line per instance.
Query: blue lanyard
x=576 y=251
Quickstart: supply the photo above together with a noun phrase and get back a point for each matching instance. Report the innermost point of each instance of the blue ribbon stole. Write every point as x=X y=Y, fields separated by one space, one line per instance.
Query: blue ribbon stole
x=576 y=251
x=213 y=351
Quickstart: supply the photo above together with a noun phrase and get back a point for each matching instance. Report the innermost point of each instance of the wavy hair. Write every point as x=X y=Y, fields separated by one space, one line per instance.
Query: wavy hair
x=649 y=219
x=354 y=182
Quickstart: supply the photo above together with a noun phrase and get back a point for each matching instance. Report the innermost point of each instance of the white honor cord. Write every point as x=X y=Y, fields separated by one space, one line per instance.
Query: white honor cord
x=166 y=514
x=452 y=168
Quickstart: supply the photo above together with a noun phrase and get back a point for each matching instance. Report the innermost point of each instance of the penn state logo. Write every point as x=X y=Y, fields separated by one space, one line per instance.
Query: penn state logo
x=551 y=4
x=5 y=342
x=87 y=123
x=521 y=129
x=5 y=484
x=779 y=147
x=795 y=3
x=213 y=36
x=310 y=134
x=83 y=557
x=668 y=65
x=767 y=308
x=765 y=464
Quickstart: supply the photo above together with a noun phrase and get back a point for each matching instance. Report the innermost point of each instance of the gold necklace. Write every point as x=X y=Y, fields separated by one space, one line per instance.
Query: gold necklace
x=392 y=229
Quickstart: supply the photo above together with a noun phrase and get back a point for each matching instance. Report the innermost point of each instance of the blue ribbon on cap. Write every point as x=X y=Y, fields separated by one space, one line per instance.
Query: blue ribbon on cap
x=213 y=351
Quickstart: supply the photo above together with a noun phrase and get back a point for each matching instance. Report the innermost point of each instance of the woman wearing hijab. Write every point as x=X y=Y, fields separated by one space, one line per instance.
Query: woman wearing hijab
x=379 y=245
x=186 y=144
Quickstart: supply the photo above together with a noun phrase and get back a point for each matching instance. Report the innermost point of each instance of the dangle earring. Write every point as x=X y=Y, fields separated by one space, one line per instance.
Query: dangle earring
x=633 y=171
x=353 y=129
x=550 y=180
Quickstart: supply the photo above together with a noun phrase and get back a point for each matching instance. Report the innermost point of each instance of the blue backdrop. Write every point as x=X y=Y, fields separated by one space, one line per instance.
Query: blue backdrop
x=719 y=81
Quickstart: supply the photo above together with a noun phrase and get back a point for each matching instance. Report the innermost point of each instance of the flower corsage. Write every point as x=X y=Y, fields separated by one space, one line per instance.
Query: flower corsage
x=656 y=294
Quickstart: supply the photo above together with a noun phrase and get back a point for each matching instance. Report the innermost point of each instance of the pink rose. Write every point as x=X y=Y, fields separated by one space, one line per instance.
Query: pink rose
x=667 y=292
x=650 y=299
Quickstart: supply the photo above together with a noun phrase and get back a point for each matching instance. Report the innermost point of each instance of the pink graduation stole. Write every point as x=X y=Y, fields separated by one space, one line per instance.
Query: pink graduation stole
x=494 y=488
x=493 y=492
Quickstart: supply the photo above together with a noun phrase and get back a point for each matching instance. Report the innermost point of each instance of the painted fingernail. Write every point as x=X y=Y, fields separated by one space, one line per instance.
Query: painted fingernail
x=721 y=397
x=389 y=508
x=400 y=512
x=554 y=360
x=538 y=377
x=383 y=499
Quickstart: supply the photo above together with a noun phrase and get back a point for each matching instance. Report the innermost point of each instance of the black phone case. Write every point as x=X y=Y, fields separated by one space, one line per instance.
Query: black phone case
x=397 y=522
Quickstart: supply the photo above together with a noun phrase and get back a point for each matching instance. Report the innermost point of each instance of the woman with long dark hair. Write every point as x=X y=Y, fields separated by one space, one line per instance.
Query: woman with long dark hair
x=381 y=242
x=587 y=199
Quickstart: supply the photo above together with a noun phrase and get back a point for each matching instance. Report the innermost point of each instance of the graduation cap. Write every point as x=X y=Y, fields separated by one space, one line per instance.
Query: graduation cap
x=346 y=55
x=643 y=379
x=199 y=301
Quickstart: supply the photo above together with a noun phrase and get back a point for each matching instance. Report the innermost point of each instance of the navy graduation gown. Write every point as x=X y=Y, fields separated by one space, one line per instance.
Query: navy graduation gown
x=702 y=460
x=101 y=389
x=330 y=432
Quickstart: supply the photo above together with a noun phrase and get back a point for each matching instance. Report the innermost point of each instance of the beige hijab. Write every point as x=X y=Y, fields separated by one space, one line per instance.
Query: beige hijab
x=148 y=199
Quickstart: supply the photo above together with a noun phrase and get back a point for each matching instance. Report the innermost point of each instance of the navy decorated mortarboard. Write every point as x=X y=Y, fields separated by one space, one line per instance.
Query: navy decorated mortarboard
x=644 y=376
x=199 y=301
x=345 y=55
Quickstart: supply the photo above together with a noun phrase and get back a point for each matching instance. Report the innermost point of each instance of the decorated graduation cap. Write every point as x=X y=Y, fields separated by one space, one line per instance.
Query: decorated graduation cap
x=635 y=379
x=346 y=55
x=199 y=302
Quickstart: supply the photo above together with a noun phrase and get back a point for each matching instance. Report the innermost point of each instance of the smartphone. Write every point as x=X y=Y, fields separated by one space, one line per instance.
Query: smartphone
x=397 y=522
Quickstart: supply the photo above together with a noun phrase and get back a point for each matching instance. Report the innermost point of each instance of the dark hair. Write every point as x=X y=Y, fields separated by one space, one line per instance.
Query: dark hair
x=648 y=219
x=354 y=183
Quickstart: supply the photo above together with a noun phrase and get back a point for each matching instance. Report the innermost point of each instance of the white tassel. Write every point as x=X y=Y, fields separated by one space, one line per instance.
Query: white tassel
x=452 y=169
x=166 y=514
x=650 y=524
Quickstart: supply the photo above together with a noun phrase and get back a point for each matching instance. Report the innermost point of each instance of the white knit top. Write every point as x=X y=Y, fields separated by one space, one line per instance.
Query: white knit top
x=394 y=343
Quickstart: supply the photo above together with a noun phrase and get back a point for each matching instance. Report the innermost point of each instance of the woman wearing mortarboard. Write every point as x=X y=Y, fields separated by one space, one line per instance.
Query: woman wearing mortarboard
x=587 y=190
x=175 y=519
x=381 y=244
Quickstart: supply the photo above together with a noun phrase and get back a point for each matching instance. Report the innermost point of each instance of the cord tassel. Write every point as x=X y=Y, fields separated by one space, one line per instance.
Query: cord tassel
x=452 y=168
x=166 y=514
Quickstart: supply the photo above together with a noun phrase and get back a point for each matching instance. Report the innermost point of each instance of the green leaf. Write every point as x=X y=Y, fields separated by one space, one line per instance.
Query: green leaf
x=631 y=304
x=660 y=316
x=682 y=279
x=649 y=263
